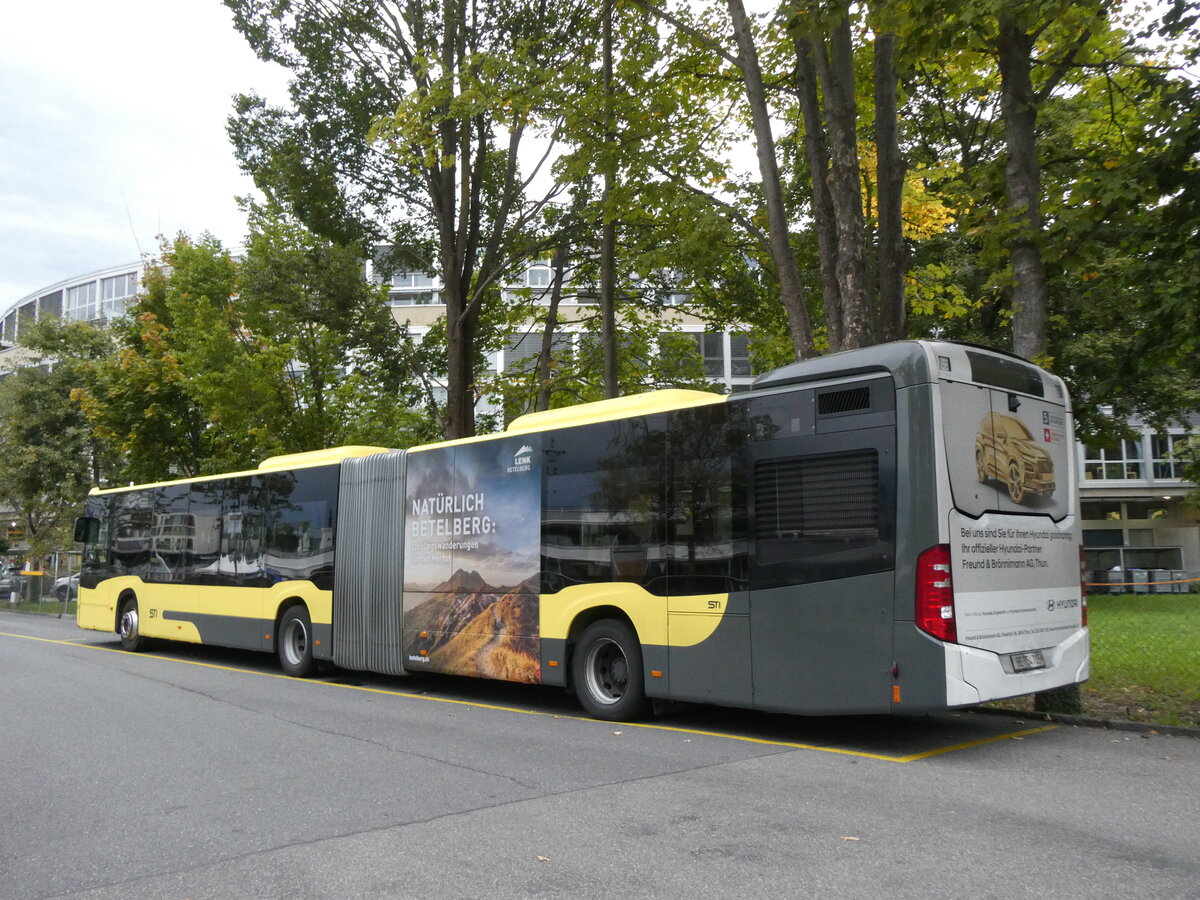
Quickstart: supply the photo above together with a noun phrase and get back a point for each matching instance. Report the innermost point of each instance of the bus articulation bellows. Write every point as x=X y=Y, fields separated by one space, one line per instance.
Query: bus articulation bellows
x=892 y=529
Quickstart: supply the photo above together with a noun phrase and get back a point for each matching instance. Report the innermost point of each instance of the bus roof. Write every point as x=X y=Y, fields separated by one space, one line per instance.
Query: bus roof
x=597 y=411
x=284 y=462
x=910 y=363
x=907 y=361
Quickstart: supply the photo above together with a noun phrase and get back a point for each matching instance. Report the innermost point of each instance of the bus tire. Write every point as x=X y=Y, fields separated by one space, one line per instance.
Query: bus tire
x=606 y=671
x=127 y=626
x=294 y=642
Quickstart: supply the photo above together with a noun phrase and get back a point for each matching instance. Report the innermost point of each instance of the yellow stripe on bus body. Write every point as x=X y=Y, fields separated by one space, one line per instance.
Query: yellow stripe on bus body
x=97 y=606
x=662 y=621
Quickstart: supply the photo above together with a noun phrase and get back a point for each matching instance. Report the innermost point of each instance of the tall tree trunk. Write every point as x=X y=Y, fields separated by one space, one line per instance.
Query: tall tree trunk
x=460 y=381
x=559 y=266
x=841 y=117
x=791 y=290
x=890 y=177
x=1022 y=178
x=608 y=228
x=817 y=151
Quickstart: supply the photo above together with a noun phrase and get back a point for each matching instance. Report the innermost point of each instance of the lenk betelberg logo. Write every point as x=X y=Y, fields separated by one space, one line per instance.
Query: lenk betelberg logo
x=522 y=459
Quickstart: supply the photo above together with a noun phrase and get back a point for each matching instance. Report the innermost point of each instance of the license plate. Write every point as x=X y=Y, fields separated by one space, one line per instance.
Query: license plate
x=1023 y=662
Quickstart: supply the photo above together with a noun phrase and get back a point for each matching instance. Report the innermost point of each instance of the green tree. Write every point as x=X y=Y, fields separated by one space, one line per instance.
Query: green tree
x=49 y=456
x=224 y=361
x=407 y=126
x=187 y=394
x=1117 y=148
x=330 y=334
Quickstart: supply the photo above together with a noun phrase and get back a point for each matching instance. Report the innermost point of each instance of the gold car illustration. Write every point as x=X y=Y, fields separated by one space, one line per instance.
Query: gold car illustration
x=1006 y=451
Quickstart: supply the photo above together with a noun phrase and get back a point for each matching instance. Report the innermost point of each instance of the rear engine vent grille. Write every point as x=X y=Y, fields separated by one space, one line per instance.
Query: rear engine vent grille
x=818 y=497
x=833 y=403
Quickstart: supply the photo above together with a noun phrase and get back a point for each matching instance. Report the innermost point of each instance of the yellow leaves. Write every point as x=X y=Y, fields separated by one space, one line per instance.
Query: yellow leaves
x=922 y=211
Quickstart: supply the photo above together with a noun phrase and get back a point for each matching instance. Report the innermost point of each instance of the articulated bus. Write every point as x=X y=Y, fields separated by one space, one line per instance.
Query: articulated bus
x=891 y=529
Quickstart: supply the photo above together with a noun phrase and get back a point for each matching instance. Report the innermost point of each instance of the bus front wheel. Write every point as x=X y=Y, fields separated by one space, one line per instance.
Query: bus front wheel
x=294 y=642
x=606 y=671
x=127 y=626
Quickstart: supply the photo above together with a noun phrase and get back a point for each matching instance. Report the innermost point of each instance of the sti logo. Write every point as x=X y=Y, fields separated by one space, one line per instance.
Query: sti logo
x=522 y=459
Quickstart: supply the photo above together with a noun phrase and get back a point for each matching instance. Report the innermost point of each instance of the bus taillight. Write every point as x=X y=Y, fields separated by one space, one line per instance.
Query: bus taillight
x=935 y=594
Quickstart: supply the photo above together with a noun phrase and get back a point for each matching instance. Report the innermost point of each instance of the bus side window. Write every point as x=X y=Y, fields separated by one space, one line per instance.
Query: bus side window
x=171 y=534
x=604 y=504
x=300 y=543
x=243 y=531
x=133 y=516
x=706 y=501
x=201 y=532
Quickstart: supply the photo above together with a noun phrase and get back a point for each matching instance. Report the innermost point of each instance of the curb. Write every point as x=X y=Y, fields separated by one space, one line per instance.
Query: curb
x=1089 y=722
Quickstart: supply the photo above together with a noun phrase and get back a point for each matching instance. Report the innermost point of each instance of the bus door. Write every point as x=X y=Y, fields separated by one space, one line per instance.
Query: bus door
x=822 y=491
x=708 y=602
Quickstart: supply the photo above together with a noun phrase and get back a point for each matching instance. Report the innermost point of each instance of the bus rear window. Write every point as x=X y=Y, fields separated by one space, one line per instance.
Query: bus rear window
x=1008 y=374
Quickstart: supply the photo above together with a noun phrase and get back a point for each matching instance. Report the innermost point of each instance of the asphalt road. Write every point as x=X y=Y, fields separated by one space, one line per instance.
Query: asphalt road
x=193 y=773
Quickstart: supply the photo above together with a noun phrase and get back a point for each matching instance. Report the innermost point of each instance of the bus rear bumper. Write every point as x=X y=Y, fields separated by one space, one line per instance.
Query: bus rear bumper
x=977 y=676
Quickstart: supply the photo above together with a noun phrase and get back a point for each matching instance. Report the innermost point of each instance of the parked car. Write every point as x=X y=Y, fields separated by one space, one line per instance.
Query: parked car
x=10 y=580
x=67 y=587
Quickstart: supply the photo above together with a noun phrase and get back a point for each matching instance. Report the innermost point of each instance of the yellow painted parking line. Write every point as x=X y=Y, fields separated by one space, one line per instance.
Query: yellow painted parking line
x=964 y=746
x=766 y=742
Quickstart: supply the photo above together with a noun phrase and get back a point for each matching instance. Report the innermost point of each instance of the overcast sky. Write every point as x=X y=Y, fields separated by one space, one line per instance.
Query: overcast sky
x=113 y=131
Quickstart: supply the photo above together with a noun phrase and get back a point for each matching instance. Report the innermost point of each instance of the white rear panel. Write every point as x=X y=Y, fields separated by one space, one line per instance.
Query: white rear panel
x=1016 y=581
x=1012 y=527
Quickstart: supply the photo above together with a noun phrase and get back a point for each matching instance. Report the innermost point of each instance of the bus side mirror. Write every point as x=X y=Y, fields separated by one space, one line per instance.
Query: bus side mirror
x=87 y=530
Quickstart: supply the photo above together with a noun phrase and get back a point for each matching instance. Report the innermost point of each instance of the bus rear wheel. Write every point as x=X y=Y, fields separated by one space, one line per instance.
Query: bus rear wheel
x=294 y=642
x=606 y=671
x=127 y=626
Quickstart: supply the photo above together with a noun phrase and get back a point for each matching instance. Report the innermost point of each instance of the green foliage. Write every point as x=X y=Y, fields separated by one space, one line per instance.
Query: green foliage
x=405 y=127
x=49 y=457
x=225 y=361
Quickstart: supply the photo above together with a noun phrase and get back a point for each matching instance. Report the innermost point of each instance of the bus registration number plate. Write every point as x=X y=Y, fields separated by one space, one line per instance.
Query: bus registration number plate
x=1023 y=662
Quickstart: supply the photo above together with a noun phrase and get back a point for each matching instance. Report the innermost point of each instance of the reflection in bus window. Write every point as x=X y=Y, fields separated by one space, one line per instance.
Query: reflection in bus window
x=171 y=535
x=133 y=516
x=706 y=522
x=604 y=505
x=204 y=527
x=300 y=529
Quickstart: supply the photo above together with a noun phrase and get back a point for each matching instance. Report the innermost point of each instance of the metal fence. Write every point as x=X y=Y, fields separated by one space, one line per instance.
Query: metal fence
x=1115 y=582
x=55 y=581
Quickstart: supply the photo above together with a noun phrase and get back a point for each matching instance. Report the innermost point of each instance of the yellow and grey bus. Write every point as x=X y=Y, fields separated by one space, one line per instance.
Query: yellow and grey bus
x=890 y=529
